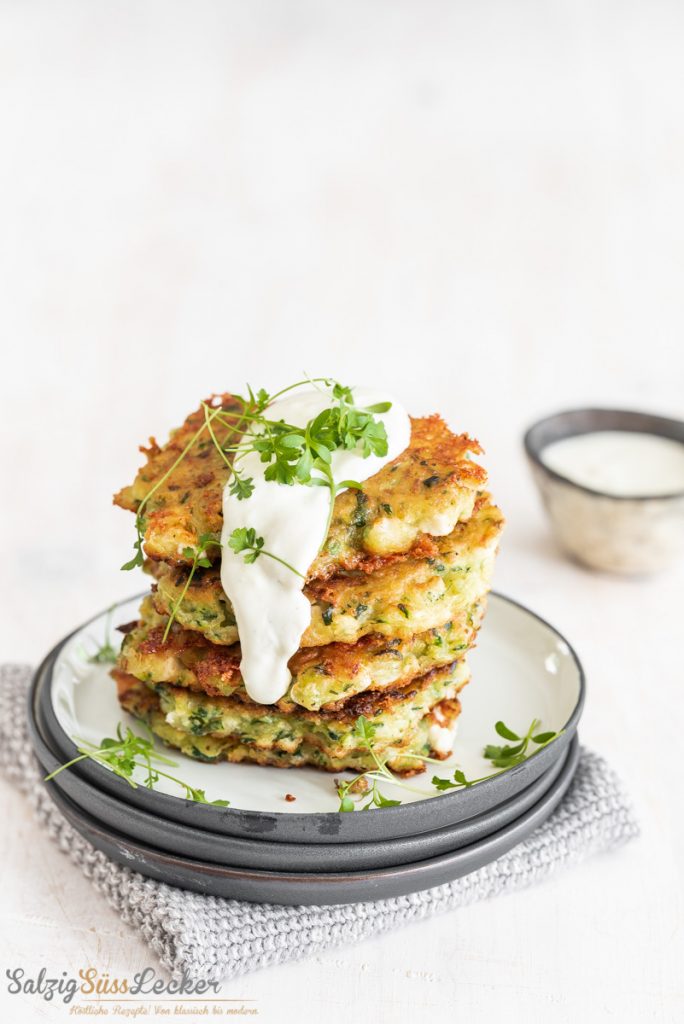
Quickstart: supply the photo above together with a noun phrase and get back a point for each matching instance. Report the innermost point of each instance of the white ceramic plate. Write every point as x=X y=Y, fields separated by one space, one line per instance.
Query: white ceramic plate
x=522 y=669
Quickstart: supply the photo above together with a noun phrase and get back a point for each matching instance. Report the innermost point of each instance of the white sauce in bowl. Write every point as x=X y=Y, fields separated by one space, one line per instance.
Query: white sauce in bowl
x=271 y=611
x=619 y=462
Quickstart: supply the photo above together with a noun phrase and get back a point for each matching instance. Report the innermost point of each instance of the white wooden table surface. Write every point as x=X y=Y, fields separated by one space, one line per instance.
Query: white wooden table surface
x=479 y=206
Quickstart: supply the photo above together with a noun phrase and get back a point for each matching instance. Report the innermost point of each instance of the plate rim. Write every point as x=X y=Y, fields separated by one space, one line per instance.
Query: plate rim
x=496 y=844
x=326 y=824
x=247 y=846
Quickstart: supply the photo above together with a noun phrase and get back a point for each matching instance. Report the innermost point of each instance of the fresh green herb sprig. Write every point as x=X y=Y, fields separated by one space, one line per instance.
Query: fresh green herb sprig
x=303 y=455
x=240 y=487
x=364 y=787
x=129 y=751
x=501 y=757
x=509 y=755
x=459 y=780
x=244 y=541
x=199 y=560
x=105 y=654
x=292 y=454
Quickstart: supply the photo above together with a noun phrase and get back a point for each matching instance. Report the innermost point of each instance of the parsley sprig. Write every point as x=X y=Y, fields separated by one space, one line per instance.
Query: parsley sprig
x=128 y=751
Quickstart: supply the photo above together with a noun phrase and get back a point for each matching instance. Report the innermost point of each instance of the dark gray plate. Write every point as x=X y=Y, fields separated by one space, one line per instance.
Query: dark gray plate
x=308 y=887
x=409 y=819
x=230 y=851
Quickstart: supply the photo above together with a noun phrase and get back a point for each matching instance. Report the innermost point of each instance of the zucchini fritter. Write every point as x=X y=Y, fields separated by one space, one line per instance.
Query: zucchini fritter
x=321 y=676
x=397 y=595
x=398 y=599
x=223 y=728
x=429 y=488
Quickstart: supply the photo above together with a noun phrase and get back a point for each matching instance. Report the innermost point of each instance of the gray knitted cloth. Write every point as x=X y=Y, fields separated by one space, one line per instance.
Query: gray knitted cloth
x=207 y=938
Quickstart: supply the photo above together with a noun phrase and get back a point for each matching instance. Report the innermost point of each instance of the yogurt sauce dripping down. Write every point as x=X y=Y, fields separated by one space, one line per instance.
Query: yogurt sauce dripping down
x=270 y=608
x=620 y=462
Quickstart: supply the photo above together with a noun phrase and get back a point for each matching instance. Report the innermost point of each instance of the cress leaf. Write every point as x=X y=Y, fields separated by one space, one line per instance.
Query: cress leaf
x=382 y=801
x=460 y=778
x=543 y=737
x=504 y=731
x=442 y=784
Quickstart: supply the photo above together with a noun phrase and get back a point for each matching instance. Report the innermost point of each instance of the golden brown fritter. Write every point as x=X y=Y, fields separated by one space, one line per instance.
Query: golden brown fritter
x=398 y=599
x=223 y=728
x=322 y=677
x=425 y=491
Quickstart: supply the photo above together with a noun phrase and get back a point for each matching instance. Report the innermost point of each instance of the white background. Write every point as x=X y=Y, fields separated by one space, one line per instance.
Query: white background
x=478 y=206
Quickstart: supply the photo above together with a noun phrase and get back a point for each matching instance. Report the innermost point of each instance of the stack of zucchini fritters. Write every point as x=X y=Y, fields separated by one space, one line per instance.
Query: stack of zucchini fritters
x=397 y=595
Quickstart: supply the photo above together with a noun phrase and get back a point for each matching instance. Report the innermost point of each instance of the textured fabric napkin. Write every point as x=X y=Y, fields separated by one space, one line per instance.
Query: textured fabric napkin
x=210 y=939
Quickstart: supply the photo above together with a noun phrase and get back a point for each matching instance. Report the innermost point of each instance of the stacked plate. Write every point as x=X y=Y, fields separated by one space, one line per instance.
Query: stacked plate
x=282 y=838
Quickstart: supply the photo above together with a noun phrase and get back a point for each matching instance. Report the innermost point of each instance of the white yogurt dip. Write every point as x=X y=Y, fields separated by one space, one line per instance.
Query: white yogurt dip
x=270 y=608
x=621 y=463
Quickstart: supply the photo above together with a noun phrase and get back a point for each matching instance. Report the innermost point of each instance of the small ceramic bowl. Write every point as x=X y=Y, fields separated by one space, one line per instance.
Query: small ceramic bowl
x=613 y=533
